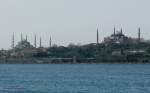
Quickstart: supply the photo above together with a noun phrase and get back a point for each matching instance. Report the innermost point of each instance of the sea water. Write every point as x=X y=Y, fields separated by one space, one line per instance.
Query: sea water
x=75 y=78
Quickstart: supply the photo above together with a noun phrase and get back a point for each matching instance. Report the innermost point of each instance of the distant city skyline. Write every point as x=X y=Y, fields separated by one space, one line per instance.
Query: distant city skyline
x=71 y=21
x=38 y=42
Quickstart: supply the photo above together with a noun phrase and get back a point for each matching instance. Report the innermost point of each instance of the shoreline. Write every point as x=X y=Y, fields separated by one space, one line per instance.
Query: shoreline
x=75 y=63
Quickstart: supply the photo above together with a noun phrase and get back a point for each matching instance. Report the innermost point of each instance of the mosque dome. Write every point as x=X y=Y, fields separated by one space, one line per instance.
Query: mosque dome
x=23 y=44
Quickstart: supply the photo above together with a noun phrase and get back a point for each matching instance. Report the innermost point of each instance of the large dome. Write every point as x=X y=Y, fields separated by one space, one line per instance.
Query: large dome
x=23 y=44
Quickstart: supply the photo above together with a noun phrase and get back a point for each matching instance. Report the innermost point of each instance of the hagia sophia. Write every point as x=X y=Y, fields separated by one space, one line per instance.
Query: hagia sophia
x=119 y=37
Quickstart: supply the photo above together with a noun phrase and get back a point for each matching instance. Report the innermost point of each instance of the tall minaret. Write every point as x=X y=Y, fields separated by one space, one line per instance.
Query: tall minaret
x=50 y=42
x=139 y=34
x=26 y=38
x=40 y=42
x=97 y=37
x=13 y=41
x=114 y=31
x=121 y=31
x=35 y=41
x=21 y=37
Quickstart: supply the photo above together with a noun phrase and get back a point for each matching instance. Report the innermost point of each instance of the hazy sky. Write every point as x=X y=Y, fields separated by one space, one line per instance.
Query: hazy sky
x=71 y=21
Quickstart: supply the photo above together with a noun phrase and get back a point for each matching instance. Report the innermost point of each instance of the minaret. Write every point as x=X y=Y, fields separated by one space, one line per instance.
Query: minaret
x=97 y=37
x=21 y=37
x=50 y=42
x=40 y=42
x=121 y=31
x=139 y=34
x=35 y=41
x=13 y=41
x=114 y=31
x=26 y=38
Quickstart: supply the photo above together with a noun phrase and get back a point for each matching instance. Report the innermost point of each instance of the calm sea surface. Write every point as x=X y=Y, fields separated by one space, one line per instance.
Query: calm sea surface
x=76 y=78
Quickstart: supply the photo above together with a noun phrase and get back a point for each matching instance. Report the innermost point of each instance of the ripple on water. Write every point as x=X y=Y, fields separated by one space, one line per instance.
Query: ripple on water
x=75 y=78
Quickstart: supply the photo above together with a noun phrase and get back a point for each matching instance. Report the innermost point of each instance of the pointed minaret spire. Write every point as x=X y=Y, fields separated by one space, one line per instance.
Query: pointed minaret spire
x=26 y=38
x=50 y=42
x=139 y=34
x=35 y=41
x=121 y=31
x=114 y=31
x=21 y=37
x=97 y=36
x=40 y=42
x=13 y=41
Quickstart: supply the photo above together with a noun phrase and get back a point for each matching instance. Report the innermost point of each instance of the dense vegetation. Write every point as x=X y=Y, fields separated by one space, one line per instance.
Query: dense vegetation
x=85 y=51
x=93 y=50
